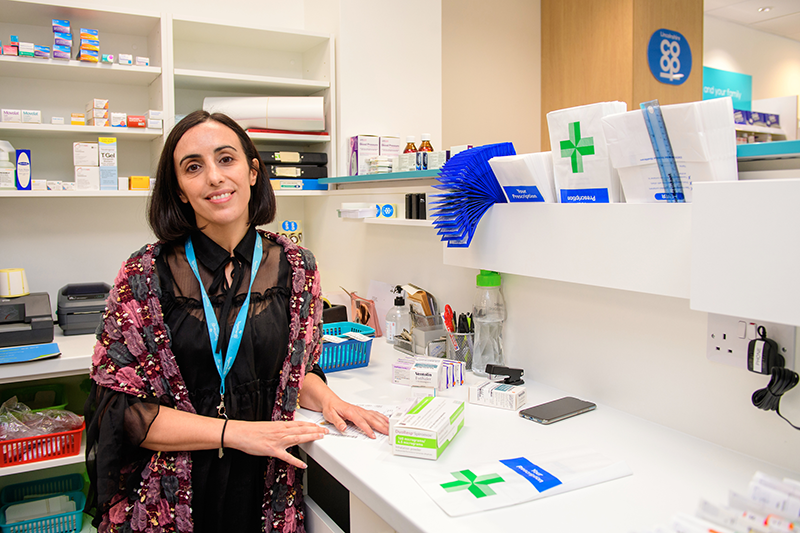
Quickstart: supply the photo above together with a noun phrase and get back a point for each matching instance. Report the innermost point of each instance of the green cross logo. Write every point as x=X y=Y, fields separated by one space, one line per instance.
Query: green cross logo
x=477 y=485
x=575 y=148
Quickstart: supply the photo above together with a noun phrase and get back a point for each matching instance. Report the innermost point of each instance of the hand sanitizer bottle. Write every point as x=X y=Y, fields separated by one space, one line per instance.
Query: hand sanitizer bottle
x=398 y=318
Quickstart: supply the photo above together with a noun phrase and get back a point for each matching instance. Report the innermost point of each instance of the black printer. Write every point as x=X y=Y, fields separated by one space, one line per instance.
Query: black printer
x=26 y=320
x=81 y=306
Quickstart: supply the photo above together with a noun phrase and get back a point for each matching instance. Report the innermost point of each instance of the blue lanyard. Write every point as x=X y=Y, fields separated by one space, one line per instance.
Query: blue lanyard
x=213 y=323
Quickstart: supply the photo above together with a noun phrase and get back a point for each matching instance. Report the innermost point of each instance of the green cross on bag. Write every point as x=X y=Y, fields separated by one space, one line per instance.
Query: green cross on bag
x=575 y=148
x=477 y=485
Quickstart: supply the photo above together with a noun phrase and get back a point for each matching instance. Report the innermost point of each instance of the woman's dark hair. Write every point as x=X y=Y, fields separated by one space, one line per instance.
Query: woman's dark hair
x=169 y=217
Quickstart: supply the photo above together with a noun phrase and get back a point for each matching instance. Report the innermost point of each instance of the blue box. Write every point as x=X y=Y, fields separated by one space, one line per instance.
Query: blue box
x=108 y=179
x=23 y=180
x=60 y=26
x=62 y=52
x=62 y=39
x=41 y=51
x=89 y=34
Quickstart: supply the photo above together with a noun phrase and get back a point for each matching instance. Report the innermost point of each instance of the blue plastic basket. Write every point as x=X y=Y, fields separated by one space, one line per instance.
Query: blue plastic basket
x=348 y=354
x=71 y=522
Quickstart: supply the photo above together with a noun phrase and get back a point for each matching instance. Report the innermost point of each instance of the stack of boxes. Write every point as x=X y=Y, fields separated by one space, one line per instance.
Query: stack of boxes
x=95 y=165
x=90 y=46
x=62 y=40
x=96 y=112
x=370 y=154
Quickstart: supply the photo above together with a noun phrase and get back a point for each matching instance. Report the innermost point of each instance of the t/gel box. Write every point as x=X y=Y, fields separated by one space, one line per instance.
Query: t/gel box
x=428 y=428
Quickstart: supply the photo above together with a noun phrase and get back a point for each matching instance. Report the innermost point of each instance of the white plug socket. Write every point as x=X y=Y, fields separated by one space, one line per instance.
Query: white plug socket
x=728 y=338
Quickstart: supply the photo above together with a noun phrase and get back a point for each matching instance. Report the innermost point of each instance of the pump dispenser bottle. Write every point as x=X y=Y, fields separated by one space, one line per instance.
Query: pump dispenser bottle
x=398 y=318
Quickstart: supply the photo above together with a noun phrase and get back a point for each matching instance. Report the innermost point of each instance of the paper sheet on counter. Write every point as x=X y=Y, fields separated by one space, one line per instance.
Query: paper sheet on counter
x=351 y=431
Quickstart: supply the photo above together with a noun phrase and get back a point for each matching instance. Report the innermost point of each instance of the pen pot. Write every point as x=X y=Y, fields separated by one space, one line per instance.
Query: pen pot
x=459 y=347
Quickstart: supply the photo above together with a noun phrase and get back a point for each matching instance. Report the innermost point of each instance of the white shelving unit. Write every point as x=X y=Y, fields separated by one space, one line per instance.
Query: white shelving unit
x=399 y=222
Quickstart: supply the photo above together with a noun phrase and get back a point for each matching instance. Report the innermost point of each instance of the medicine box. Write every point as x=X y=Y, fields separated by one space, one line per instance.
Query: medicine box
x=97 y=113
x=389 y=146
x=139 y=183
x=96 y=103
x=155 y=114
x=360 y=150
x=31 y=116
x=119 y=120
x=77 y=119
x=62 y=39
x=87 y=178
x=125 y=59
x=68 y=185
x=137 y=121
x=406 y=162
x=60 y=26
x=41 y=51
x=85 y=154
x=26 y=49
x=92 y=56
x=54 y=185
x=107 y=58
x=297 y=185
x=12 y=115
x=89 y=34
x=498 y=394
x=24 y=170
x=428 y=428
x=38 y=185
x=142 y=61
x=155 y=124
x=107 y=151
x=9 y=50
x=108 y=178
x=99 y=122
x=89 y=44
x=62 y=52
x=57 y=120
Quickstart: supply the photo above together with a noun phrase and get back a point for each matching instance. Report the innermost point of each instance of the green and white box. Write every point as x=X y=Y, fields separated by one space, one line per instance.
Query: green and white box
x=581 y=165
x=428 y=428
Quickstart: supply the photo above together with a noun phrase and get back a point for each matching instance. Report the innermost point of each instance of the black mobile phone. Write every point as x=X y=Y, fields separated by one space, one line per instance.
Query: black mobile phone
x=550 y=412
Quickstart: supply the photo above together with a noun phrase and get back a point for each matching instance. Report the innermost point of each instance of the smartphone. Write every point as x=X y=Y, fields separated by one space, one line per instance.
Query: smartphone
x=550 y=412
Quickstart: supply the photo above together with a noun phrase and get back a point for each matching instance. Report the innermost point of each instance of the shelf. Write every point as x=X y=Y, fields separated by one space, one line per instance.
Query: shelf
x=417 y=174
x=279 y=138
x=73 y=194
x=17 y=129
x=73 y=70
x=635 y=247
x=75 y=359
x=770 y=150
x=759 y=129
x=399 y=222
x=243 y=83
x=50 y=463
x=185 y=29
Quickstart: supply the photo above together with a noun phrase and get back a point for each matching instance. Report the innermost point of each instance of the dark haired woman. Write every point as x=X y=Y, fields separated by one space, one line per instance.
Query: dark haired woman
x=208 y=344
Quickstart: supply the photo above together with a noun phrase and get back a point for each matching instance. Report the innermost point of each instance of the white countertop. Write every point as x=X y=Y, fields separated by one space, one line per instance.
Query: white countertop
x=671 y=470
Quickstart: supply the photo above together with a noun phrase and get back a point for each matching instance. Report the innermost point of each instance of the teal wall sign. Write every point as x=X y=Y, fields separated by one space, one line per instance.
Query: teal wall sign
x=669 y=57
x=721 y=83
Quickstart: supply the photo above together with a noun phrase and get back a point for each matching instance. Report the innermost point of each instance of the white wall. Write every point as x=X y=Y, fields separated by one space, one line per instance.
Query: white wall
x=772 y=61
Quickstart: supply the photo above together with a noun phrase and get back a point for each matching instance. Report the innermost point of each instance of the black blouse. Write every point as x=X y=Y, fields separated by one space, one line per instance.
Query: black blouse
x=228 y=491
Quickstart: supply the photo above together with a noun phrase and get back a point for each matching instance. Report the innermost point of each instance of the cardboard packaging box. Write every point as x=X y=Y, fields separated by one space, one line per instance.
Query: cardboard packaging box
x=494 y=394
x=428 y=428
x=361 y=149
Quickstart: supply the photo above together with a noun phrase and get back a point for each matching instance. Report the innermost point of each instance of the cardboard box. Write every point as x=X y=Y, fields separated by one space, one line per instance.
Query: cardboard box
x=24 y=170
x=91 y=56
x=41 y=51
x=494 y=394
x=85 y=154
x=108 y=178
x=87 y=178
x=137 y=121
x=139 y=183
x=361 y=149
x=428 y=428
x=119 y=120
x=38 y=185
x=155 y=114
x=77 y=119
x=9 y=50
x=155 y=124
x=390 y=146
x=62 y=52
x=96 y=113
x=142 y=61
x=107 y=151
x=97 y=103
x=125 y=59
x=31 y=116
x=57 y=120
x=12 y=115
x=54 y=185
x=100 y=122
x=60 y=26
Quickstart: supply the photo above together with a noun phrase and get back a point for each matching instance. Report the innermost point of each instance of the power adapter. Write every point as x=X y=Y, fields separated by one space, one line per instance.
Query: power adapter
x=763 y=354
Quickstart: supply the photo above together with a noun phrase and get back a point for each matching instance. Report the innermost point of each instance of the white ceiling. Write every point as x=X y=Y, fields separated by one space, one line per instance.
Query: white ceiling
x=783 y=17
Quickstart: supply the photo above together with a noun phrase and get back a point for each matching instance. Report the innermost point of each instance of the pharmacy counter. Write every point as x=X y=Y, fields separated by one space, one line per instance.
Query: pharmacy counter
x=672 y=471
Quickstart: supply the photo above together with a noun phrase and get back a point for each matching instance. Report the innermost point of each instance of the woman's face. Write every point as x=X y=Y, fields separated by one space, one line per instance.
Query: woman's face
x=214 y=175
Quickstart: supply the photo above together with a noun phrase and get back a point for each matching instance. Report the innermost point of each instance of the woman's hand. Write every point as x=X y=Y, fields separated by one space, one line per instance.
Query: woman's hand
x=271 y=438
x=337 y=412
x=316 y=396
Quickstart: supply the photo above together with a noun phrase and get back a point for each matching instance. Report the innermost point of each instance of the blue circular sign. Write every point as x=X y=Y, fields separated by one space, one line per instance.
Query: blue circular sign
x=670 y=57
x=289 y=225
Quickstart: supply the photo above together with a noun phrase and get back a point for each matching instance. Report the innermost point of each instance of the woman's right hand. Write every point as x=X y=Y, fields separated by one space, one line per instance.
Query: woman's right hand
x=271 y=438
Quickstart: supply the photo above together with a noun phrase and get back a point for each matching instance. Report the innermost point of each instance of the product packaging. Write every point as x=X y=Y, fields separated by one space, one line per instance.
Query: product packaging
x=87 y=178
x=38 y=185
x=57 y=120
x=24 y=172
x=428 y=428
x=389 y=146
x=125 y=59
x=85 y=154
x=77 y=119
x=91 y=56
x=97 y=103
x=109 y=179
x=55 y=185
x=90 y=34
x=494 y=394
x=107 y=58
x=119 y=120
x=62 y=39
x=137 y=121
x=361 y=149
x=26 y=50
x=142 y=61
x=703 y=140
x=525 y=177
x=12 y=115
x=139 y=183
x=62 y=52
x=581 y=164
x=31 y=116
x=41 y=51
x=155 y=114
x=60 y=26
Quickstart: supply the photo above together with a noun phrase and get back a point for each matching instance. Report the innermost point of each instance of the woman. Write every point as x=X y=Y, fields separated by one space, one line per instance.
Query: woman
x=182 y=437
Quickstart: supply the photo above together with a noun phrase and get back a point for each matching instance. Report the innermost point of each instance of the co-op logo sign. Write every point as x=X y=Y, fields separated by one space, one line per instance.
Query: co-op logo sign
x=669 y=56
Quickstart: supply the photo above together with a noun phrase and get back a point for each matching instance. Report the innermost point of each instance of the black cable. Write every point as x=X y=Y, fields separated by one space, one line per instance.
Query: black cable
x=769 y=398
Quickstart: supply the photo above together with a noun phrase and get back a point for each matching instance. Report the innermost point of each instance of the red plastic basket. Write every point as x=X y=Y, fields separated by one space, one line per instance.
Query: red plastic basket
x=41 y=448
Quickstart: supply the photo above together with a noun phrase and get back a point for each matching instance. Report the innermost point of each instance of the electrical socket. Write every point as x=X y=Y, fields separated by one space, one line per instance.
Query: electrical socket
x=728 y=338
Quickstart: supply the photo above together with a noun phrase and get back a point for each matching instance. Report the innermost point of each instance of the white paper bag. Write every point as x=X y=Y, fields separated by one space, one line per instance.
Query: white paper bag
x=703 y=141
x=511 y=481
x=581 y=166
x=525 y=177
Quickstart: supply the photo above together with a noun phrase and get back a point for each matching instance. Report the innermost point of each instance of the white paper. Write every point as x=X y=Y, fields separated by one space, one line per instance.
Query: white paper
x=703 y=141
x=525 y=177
x=351 y=431
x=496 y=485
x=581 y=166
x=293 y=113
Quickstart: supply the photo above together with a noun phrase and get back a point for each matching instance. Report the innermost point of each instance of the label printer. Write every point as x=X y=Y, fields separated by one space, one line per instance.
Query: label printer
x=26 y=320
x=81 y=306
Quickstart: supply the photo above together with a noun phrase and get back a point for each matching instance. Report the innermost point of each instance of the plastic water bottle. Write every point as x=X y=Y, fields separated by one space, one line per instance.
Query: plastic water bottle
x=398 y=318
x=488 y=316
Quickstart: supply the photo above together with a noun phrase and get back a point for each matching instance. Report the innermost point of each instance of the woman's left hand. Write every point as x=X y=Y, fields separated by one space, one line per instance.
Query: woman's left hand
x=338 y=412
